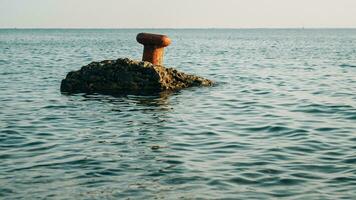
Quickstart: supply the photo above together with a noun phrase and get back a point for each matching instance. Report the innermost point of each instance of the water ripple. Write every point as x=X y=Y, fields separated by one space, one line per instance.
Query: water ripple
x=278 y=123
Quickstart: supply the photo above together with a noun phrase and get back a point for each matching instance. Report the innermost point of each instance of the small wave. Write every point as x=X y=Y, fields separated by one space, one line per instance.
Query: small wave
x=350 y=161
x=12 y=132
x=41 y=148
x=326 y=129
x=291 y=181
x=268 y=128
x=322 y=108
x=11 y=138
x=240 y=180
x=351 y=116
x=54 y=107
x=185 y=180
x=306 y=175
x=270 y=171
x=78 y=162
x=343 y=179
x=5 y=191
x=174 y=162
x=347 y=65
x=301 y=149
x=297 y=133
x=4 y=62
x=5 y=156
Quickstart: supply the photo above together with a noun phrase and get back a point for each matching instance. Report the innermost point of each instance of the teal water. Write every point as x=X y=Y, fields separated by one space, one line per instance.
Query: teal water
x=279 y=123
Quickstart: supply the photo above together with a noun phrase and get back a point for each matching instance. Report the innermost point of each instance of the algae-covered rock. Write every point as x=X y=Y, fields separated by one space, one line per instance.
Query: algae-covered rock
x=129 y=77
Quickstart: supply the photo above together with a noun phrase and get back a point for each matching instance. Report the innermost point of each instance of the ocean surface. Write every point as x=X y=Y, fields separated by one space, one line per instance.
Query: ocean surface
x=280 y=122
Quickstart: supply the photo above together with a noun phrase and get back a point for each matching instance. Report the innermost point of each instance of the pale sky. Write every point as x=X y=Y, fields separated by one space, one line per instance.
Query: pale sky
x=177 y=13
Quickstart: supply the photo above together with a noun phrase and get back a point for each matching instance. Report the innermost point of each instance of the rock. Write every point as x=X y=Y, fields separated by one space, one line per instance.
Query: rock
x=155 y=147
x=125 y=76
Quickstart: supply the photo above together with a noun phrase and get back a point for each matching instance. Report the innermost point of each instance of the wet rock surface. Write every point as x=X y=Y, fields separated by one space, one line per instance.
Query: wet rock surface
x=125 y=76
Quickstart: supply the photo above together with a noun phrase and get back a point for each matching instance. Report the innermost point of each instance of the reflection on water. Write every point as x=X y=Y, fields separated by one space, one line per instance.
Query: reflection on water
x=154 y=100
x=280 y=123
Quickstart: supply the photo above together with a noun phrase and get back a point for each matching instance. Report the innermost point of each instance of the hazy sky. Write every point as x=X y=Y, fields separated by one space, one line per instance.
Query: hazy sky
x=176 y=13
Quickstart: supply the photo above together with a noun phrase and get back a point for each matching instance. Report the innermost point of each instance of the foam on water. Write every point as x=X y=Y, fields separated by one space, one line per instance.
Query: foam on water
x=280 y=122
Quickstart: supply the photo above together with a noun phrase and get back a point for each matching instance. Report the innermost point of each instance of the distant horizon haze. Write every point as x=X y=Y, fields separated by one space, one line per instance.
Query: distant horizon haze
x=182 y=14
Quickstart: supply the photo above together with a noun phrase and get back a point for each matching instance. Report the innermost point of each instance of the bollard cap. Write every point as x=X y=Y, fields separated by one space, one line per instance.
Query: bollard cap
x=153 y=39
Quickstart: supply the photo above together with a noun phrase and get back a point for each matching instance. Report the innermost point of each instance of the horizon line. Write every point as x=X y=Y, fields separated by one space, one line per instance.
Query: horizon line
x=178 y=28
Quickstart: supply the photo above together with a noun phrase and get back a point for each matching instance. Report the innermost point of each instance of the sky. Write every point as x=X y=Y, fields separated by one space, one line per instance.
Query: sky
x=177 y=13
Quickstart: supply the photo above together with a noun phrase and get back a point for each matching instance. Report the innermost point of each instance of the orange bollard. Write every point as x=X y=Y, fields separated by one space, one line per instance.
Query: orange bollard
x=153 y=47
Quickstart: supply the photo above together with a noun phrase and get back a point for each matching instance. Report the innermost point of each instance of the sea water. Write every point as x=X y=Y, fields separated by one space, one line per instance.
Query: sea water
x=279 y=122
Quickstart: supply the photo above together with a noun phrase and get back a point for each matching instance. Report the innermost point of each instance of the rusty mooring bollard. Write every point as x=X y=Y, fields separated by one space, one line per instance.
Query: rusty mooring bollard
x=153 y=47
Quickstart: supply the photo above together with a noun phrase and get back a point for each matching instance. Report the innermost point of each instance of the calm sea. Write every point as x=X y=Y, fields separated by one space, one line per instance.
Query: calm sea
x=279 y=123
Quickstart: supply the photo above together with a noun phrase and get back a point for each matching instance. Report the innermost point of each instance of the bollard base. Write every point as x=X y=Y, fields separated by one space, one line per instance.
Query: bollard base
x=125 y=76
